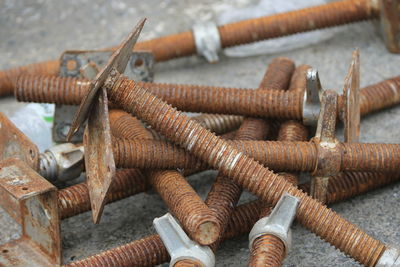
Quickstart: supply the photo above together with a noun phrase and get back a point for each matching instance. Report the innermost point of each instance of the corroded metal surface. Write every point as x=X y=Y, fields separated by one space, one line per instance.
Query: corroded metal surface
x=351 y=95
x=32 y=202
x=15 y=144
x=99 y=159
x=234 y=164
x=390 y=24
x=66 y=91
x=117 y=61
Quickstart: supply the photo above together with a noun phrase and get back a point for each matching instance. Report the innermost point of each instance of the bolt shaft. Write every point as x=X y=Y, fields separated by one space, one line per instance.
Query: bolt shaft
x=195 y=217
x=268 y=249
x=277 y=155
x=70 y=91
x=225 y=193
x=247 y=31
x=242 y=169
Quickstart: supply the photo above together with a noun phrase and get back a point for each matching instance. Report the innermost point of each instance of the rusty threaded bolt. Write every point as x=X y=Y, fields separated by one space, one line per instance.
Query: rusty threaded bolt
x=74 y=200
x=247 y=31
x=268 y=249
x=150 y=251
x=242 y=169
x=70 y=91
x=195 y=217
x=225 y=193
x=277 y=155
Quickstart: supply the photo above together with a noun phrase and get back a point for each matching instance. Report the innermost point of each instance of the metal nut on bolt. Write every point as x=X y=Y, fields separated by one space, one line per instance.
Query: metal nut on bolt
x=62 y=162
x=278 y=222
x=179 y=245
x=207 y=40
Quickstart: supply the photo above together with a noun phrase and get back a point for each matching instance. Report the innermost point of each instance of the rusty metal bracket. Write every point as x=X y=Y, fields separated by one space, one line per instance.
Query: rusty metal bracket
x=390 y=24
x=351 y=94
x=101 y=159
x=83 y=64
x=15 y=144
x=32 y=202
x=329 y=157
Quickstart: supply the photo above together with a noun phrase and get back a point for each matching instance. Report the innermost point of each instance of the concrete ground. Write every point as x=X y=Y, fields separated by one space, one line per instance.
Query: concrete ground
x=38 y=30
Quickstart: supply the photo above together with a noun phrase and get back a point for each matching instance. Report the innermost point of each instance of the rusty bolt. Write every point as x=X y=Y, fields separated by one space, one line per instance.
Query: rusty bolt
x=208 y=99
x=245 y=171
x=150 y=251
x=234 y=164
x=195 y=217
x=247 y=31
x=267 y=249
x=225 y=193
x=299 y=156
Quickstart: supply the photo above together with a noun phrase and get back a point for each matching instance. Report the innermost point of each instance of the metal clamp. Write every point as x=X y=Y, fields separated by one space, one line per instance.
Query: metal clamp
x=311 y=100
x=207 y=40
x=389 y=258
x=179 y=245
x=278 y=222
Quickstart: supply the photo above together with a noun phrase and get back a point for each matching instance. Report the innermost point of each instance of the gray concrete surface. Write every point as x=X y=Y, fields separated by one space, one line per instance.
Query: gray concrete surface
x=38 y=30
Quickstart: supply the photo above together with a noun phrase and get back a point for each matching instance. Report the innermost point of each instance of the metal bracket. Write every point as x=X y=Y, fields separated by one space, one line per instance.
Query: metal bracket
x=311 y=102
x=329 y=158
x=100 y=160
x=390 y=24
x=179 y=245
x=351 y=94
x=32 y=202
x=83 y=64
x=15 y=144
x=278 y=222
x=207 y=40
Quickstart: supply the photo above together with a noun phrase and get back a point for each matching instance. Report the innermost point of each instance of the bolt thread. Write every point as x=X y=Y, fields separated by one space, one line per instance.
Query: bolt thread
x=299 y=81
x=149 y=154
x=148 y=251
x=219 y=124
x=9 y=77
x=225 y=193
x=298 y=156
x=50 y=89
x=122 y=123
x=75 y=199
x=240 y=168
x=379 y=96
x=223 y=100
x=292 y=131
x=370 y=157
x=307 y=19
x=47 y=166
x=196 y=218
x=267 y=250
x=70 y=91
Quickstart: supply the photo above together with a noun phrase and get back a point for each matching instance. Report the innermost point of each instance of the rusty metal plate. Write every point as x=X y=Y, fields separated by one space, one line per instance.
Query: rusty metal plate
x=15 y=144
x=32 y=202
x=117 y=62
x=73 y=63
x=351 y=94
x=390 y=24
x=99 y=159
